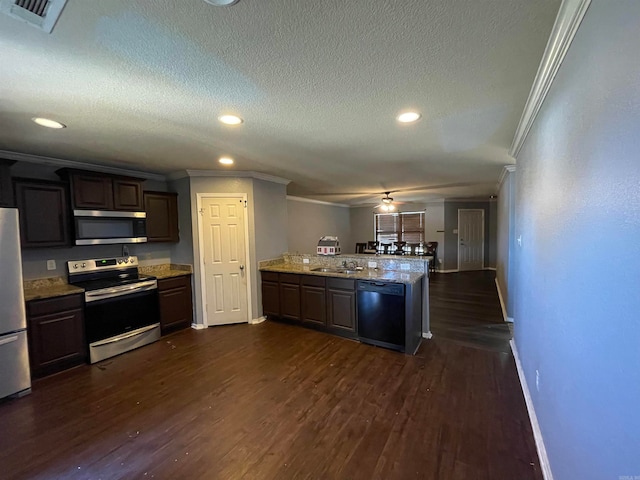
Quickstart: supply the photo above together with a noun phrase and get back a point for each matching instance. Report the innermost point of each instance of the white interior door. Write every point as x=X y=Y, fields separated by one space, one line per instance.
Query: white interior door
x=470 y=239
x=224 y=259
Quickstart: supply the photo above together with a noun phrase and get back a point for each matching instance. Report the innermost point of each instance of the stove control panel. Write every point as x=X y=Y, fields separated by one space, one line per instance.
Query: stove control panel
x=101 y=264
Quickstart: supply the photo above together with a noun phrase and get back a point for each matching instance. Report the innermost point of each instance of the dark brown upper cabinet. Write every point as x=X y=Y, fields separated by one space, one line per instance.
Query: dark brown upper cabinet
x=6 y=190
x=44 y=213
x=162 y=216
x=100 y=191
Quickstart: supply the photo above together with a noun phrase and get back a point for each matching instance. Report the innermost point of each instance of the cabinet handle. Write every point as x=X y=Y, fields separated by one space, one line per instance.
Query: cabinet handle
x=4 y=341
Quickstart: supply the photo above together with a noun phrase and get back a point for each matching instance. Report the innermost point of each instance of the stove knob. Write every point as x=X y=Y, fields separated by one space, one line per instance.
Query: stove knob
x=75 y=265
x=119 y=261
x=131 y=260
x=84 y=265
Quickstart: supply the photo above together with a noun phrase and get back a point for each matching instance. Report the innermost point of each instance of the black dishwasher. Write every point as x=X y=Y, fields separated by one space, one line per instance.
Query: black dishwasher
x=381 y=318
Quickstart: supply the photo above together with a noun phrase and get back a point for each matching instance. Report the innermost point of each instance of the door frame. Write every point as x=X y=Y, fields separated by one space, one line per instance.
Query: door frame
x=483 y=233
x=203 y=283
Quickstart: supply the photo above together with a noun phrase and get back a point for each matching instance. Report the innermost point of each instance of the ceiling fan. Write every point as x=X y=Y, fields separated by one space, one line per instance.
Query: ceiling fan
x=387 y=203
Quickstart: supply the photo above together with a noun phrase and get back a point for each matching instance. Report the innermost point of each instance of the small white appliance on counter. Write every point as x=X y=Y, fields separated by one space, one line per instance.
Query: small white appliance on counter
x=328 y=245
x=15 y=378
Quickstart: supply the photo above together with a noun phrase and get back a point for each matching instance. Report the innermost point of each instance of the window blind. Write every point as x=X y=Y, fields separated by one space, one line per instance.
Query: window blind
x=400 y=227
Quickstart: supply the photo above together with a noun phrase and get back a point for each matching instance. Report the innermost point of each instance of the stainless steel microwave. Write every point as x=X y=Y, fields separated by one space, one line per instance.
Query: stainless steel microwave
x=98 y=227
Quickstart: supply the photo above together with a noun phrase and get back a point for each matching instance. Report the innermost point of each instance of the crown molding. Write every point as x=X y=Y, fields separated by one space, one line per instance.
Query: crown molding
x=58 y=162
x=503 y=174
x=228 y=173
x=569 y=17
x=317 y=202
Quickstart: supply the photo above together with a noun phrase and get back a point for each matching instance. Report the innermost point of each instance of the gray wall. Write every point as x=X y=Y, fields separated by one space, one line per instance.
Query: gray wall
x=434 y=229
x=182 y=252
x=307 y=222
x=505 y=240
x=270 y=215
x=578 y=270
x=451 y=239
x=361 y=223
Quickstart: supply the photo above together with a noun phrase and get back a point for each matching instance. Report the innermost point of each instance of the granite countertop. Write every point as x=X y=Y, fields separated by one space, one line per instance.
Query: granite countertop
x=366 y=274
x=165 y=270
x=41 y=288
x=170 y=273
x=51 y=290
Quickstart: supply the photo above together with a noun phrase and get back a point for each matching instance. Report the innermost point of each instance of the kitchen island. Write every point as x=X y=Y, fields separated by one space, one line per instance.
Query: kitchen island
x=323 y=292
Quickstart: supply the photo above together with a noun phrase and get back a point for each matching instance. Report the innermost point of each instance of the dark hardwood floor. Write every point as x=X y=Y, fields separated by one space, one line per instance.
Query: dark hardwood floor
x=465 y=308
x=275 y=401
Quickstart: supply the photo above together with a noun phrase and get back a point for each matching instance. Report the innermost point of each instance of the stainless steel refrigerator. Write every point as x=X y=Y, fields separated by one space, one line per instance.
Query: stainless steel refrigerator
x=14 y=355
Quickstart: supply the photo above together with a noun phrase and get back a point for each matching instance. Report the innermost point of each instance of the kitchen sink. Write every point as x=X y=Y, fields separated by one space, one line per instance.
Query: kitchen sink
x=345 y=271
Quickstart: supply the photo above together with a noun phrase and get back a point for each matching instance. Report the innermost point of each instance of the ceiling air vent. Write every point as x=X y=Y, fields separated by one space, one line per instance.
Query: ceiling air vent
x=41 y=14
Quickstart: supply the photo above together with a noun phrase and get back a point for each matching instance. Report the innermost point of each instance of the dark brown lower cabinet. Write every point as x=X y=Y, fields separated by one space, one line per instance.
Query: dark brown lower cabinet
x=341 y=301
x=290 y=296
x=55 y=328
x=270 y=294
x=6 y=190
x=314 y=300
x=176 y=308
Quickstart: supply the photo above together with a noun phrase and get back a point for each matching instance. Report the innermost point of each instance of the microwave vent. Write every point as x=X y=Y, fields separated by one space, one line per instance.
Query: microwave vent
x=42 y=14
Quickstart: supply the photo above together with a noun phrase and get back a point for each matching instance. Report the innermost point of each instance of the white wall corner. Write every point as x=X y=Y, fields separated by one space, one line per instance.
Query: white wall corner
x=198 y=326
x=255 y=321
x=537 y=433
x=569 y=17
x=503 y=174
x=502 y=305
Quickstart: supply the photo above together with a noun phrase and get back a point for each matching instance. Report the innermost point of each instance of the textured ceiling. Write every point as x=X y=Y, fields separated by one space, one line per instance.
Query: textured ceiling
x=319 y=83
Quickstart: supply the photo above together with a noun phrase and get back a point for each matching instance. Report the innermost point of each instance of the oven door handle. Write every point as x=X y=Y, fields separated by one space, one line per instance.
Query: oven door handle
x=119 y=338
x=116 y=292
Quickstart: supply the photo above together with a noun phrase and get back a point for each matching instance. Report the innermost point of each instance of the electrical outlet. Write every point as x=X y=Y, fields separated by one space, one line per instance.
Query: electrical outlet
x=372 y=264
x=537 y=380
x=455 y=231
x=405 y=266
x=519 y=240
x=440 y=261
x=305 y=260
x=51 y=264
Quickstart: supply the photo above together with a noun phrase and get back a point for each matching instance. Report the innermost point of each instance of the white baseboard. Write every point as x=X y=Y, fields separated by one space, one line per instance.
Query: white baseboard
x=255 y=321
x=509 y=320
x=537 y=433
x=490 y=268
x=448 y=271
x=198 y=326
x=427 y=335
x=502 y=305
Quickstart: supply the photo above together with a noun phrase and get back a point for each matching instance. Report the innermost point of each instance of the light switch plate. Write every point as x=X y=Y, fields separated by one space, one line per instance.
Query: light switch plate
x=455 y=231
x=372 y=264
x=51 y=264
x=405 y=266
x=305 y=260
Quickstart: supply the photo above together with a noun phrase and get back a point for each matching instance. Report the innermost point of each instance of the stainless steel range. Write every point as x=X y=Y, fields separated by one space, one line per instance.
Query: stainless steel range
x=121 y=311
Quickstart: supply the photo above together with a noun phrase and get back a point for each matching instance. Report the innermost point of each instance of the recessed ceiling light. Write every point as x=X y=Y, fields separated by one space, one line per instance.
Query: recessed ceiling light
x=230 y=119
x=45 y=122
x=226 y=160
x=221 y=3
x=408 y=117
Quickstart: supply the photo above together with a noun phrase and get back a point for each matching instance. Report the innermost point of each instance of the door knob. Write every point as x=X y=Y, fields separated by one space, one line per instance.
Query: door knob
x=241 y=267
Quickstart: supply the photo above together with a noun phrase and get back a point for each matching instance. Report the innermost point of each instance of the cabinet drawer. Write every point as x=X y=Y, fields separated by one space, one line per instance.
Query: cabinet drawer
x=313 y=281
x=292 y=278
x=269 y=276
x=52 y=305
x=341 y=283
x=173 y=282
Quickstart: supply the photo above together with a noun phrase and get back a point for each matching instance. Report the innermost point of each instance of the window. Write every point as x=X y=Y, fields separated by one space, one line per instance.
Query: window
x=399 y=227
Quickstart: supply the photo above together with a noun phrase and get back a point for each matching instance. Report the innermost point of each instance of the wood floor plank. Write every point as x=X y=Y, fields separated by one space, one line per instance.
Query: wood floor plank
x=275 y=401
